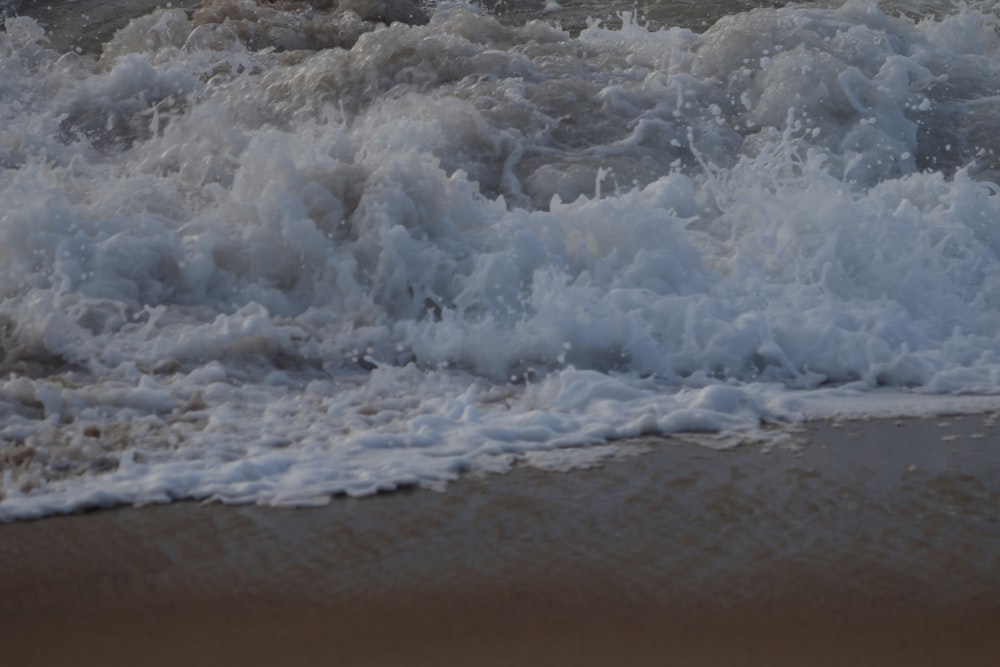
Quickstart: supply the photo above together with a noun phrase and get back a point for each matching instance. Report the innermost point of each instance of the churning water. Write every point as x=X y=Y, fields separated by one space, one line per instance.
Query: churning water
x=276 y=251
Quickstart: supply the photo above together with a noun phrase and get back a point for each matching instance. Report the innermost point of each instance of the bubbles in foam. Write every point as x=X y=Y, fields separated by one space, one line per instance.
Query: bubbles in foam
x=247 y=257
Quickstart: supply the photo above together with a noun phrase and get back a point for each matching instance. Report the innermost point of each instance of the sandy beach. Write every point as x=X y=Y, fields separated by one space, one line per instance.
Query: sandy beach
x=273 y=251
x=862 y=543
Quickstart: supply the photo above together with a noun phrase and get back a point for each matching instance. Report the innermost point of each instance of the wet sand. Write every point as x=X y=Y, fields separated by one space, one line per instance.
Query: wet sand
x=863 y=543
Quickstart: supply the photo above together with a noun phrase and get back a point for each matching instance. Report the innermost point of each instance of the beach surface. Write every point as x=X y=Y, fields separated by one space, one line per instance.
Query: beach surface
x=863 y=543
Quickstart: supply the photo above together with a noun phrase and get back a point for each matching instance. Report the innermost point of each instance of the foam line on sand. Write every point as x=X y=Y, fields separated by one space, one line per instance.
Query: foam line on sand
x=863 y=543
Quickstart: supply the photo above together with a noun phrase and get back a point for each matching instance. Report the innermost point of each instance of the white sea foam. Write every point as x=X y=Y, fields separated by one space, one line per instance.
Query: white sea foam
x=240 y=273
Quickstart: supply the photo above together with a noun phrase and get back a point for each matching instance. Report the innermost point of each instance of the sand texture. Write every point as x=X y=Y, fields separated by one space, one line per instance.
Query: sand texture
x=863 y=543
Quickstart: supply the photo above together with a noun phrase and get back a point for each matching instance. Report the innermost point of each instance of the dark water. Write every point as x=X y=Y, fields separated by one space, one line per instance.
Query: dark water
x=85 y=25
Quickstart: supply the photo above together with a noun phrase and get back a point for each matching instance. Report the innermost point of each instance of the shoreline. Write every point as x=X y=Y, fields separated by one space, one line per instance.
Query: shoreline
x=876 y=542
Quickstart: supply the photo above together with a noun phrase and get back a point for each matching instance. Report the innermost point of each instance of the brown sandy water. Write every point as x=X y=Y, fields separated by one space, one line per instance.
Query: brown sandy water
x=864 y=543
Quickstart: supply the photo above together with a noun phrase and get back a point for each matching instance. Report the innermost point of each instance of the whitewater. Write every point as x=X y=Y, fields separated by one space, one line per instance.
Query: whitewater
x=278 y=252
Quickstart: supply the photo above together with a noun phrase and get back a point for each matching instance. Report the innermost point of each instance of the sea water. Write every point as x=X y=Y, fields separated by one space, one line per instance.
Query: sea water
x=274 y=252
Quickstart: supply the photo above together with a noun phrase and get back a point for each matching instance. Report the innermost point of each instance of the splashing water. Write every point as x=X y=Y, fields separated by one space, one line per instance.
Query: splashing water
x=275 y=252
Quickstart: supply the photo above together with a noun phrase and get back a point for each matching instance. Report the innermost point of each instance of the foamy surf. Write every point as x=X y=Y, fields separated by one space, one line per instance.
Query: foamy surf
x=274 y=253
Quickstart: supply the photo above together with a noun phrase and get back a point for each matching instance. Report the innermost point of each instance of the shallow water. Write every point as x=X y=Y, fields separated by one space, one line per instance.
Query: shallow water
x=273 y=252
